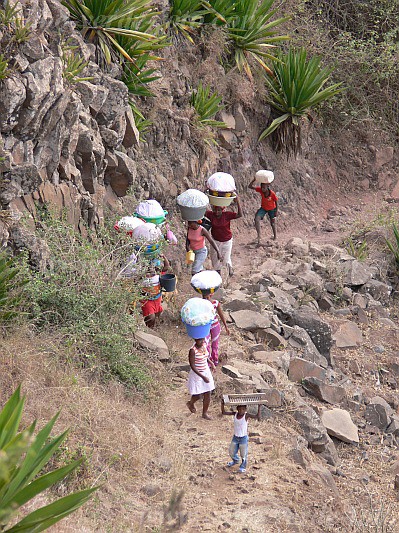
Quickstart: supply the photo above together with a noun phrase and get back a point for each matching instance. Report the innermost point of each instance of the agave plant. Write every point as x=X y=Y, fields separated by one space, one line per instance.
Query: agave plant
x=22 y=459
x=296 y=85
x=136 y=74
x=101 y=21
x=250 y=31
x=206 y=105
x=185 y=16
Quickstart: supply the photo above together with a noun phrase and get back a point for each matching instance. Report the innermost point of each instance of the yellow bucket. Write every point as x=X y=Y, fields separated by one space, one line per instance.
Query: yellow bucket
x=190 y=256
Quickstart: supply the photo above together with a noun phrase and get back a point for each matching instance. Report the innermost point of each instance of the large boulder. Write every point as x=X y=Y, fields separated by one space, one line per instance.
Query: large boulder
x=355 y=273
x=348 y=335
x=300 y=369
x=379 y=291
x=378 y=413
x=323 y=391
x=318 y=330
x=339 y=424
x=316 y=434
x=299 y=339
x=250 y=320
x=154 y=344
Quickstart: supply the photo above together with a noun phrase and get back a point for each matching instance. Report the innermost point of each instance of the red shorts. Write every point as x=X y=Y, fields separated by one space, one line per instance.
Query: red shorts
x=151 y=307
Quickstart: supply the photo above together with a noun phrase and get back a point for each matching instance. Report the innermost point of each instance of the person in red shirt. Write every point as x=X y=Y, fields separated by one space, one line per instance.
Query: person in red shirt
x=220 y=219
x=268 y=207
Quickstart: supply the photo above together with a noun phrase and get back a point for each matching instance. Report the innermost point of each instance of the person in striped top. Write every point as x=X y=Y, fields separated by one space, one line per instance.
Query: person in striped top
x=200 y=379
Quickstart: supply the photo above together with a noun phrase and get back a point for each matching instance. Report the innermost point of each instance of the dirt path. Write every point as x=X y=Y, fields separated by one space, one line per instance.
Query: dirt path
x=275 y=494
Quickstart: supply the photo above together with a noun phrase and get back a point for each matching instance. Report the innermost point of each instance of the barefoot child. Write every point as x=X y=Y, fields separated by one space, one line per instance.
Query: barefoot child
x=195 y=241
x=268 y=207
x=215 y=329
x=200 y=380
x=240 y=437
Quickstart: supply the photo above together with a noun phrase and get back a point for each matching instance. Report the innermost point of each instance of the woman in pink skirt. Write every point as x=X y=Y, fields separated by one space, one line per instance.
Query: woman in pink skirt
x=213 y=338
x=200 y=379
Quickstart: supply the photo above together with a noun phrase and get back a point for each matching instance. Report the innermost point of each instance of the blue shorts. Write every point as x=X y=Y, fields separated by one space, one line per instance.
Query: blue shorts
x=260 y=213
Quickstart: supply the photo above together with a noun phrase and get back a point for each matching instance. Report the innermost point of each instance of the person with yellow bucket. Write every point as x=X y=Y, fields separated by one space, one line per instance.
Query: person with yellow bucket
x=195 y=243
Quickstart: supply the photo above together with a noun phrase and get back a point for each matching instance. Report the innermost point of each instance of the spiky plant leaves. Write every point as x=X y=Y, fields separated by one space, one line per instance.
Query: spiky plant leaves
x=207 y=105
x=22 y=458
x=101 y=21
x=296 y=86
x=185 y=16
x=251 y=33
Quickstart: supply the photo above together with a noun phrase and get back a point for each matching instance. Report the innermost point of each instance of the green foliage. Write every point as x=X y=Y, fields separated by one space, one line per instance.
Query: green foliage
x=12 y=20
x=4 y=70
x=185 y=16
x=142 y=124
x=22 y=30
x=394 y=245
x=250 y=30
x=82 y=299
x=360 y=37
x=10 y=289
x=22 y=459
x=102 y=22
x=206 y=105
x=73 y=65
x=356 y=248
x=296 y=86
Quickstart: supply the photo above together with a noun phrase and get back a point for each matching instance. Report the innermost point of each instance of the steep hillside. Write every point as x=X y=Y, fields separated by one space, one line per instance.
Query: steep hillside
x=70 y=150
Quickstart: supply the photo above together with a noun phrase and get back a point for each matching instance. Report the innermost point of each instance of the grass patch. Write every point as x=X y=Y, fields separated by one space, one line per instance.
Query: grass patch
x=79 y=296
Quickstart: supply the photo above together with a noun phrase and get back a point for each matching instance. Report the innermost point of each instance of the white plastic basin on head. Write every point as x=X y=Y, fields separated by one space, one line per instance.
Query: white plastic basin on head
x=222 y=182
x=221 y=201
x=264 y=176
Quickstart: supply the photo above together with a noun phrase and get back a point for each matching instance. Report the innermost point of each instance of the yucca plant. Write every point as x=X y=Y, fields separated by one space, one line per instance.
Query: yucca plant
x=185 y=16
x=10 y=286
x=137 y=76
x=296 y=86
x=394 y=246
x=23 y=456
x=250 y=31
x=73 y=65
x=207 y=105
x=142 y=123
x=100 y=21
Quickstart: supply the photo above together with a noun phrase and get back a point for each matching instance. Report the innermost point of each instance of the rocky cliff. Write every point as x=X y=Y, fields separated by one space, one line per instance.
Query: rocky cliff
x=75 y=145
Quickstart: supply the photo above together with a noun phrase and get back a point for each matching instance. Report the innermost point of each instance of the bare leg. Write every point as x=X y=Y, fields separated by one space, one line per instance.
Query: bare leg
x=257 y=227
x=205 y=405
x=190 y=404
x=273 y=225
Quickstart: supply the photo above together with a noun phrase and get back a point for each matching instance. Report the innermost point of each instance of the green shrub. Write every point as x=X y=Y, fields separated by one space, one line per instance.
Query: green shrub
x=10 y=289
x=101 y=22
x=296 y=86
x=81 y=297
x=23 y=457
x=360 y=38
